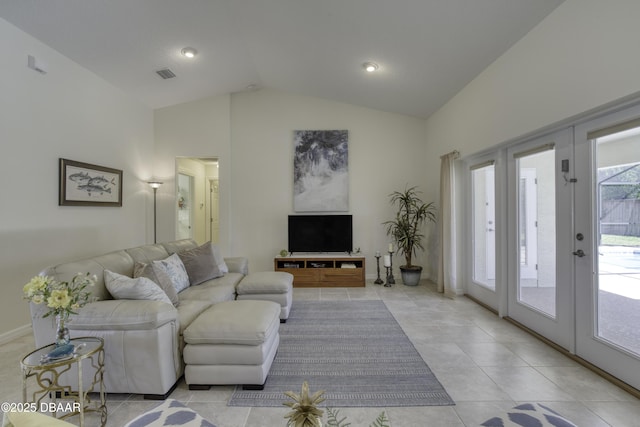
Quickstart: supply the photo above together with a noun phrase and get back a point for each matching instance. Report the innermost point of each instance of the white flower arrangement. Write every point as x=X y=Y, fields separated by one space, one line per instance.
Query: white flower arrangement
x=62 y=298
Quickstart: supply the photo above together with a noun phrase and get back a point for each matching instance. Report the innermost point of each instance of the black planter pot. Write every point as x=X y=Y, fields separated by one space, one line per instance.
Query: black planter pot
x=411 y=276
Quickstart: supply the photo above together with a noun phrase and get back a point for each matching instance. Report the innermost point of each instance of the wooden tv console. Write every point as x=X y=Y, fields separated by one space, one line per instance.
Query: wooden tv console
x=323 y=270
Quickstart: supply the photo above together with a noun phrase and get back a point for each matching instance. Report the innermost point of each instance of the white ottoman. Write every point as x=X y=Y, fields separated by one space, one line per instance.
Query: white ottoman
x=232 y=342
x=276 y=286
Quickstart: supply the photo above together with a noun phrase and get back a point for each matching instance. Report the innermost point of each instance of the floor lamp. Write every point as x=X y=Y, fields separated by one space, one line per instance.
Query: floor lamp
x=155 y=185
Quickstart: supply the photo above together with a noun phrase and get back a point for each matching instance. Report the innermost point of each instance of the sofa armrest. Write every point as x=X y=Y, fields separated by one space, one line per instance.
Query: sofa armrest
x=123 y=315
x=107 y=315
x=237 y=265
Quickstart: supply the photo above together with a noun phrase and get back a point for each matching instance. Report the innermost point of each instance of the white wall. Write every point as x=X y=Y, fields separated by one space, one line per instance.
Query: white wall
x=68 y=113
x=194 y=129
x=255 y=148
x=579 y=58
x=386 y=152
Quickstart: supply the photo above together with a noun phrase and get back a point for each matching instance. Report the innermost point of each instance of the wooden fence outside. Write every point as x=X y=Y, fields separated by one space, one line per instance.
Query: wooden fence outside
x=620 y=217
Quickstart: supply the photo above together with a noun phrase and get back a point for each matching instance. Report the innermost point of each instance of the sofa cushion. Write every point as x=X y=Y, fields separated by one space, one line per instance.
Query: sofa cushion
x=169 y=413
x=266 y=282
x=174 y=268
x=159 y=277
x=200 y=264
x=209 y=293
x=147 y=253
x=236 y=322
x=216 y=290
x=189 y=310
x=118 y=261
x=179 y=245
x=123 y=287
x=237 y=265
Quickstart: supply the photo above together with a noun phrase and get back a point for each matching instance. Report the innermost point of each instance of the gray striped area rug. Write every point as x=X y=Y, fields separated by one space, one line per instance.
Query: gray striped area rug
x=353 y=350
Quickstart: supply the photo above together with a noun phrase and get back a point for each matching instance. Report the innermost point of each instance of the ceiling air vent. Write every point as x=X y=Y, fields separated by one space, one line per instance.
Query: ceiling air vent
x=166 y=73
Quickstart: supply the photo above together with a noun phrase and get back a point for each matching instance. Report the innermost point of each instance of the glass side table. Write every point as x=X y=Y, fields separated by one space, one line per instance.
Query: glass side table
x=88 y=353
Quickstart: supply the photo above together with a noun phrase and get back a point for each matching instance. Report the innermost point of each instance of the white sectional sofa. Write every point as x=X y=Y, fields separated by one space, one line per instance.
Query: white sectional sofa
x=143 y=338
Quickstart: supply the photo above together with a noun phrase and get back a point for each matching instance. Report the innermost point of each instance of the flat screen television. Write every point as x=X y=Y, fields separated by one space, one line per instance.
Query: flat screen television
x=320 y=233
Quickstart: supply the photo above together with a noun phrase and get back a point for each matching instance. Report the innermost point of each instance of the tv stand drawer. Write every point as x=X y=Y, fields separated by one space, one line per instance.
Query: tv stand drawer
x=344 y=271
x=340 y=274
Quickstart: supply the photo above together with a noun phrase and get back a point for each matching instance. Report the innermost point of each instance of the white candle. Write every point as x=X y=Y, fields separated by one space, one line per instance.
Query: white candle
x=377 y=253
x=387 y=261
x=390 y=247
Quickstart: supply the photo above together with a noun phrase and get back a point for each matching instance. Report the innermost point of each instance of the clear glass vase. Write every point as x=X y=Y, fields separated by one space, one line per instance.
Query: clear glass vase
x=62 y=333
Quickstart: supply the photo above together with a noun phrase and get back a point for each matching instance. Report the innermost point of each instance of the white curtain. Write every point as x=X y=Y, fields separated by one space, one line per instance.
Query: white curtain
x=447 y=280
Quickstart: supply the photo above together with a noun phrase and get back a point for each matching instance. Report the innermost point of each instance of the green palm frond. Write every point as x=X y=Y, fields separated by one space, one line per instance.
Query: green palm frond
x=381 y=421
x=333 y=421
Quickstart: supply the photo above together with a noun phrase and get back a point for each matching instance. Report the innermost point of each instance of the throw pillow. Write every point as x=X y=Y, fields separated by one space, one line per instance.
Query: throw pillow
x=141 y=288
x=217 y=255
x=159 y=277
x=173 y=267
x=169 y=413
x=200 y=264
x=529 y=415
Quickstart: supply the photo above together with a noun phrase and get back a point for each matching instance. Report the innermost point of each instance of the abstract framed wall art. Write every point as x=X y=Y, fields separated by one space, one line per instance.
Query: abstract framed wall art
x=83 y=184
x=321 y=170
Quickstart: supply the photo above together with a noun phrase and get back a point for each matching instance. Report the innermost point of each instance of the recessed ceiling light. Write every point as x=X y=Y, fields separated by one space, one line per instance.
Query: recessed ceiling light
x=370 y=67
x=189 y=52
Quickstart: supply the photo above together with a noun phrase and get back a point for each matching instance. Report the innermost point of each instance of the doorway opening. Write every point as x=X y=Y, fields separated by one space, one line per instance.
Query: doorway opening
x=197 y=199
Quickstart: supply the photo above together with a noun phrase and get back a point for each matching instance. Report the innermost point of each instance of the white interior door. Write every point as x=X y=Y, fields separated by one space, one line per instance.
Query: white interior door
x=539 y=208
x=607 y=243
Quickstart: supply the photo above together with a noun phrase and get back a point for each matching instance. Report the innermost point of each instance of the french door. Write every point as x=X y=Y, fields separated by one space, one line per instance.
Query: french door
x=482 y=225
x=607 y=243
x=555 y=238
x=540 y=292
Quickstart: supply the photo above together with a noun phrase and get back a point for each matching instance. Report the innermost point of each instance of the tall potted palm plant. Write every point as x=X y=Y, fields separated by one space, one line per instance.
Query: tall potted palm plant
x=407 y=229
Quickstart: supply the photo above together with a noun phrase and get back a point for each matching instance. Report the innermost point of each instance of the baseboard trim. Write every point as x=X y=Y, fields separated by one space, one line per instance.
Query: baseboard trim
x=607 y=376
x=15 y=333
x=483 y=305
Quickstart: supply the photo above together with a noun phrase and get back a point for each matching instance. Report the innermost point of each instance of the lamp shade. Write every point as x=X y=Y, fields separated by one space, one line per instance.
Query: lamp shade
x=154 y=184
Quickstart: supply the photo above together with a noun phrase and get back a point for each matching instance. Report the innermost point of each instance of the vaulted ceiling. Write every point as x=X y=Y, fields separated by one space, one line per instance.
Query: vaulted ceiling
x=427 y=50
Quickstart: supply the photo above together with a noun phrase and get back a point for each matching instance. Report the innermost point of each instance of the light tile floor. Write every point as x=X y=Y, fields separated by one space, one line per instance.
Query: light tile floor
x=486 y=364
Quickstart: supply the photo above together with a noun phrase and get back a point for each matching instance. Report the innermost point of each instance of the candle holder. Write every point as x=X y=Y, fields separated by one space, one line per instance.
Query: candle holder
x=378 y=280
x=390 y=278
x=388 y=284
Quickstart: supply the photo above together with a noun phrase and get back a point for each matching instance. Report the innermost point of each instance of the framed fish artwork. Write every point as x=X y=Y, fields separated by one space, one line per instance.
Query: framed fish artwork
x=82 y=184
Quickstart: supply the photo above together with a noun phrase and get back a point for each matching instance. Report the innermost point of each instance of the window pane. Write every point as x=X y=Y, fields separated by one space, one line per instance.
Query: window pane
x=618 y=203
x=537 y=231
x=484 y=235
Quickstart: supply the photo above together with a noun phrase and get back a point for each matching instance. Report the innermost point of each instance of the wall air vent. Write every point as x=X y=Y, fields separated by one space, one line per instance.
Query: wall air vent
x=166 y=73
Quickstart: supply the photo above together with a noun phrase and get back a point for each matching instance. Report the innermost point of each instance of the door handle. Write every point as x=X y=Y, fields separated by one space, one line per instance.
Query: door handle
x=579 y=253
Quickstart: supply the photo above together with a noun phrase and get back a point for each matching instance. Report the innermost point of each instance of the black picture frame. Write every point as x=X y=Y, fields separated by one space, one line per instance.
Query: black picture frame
x=84 y=184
